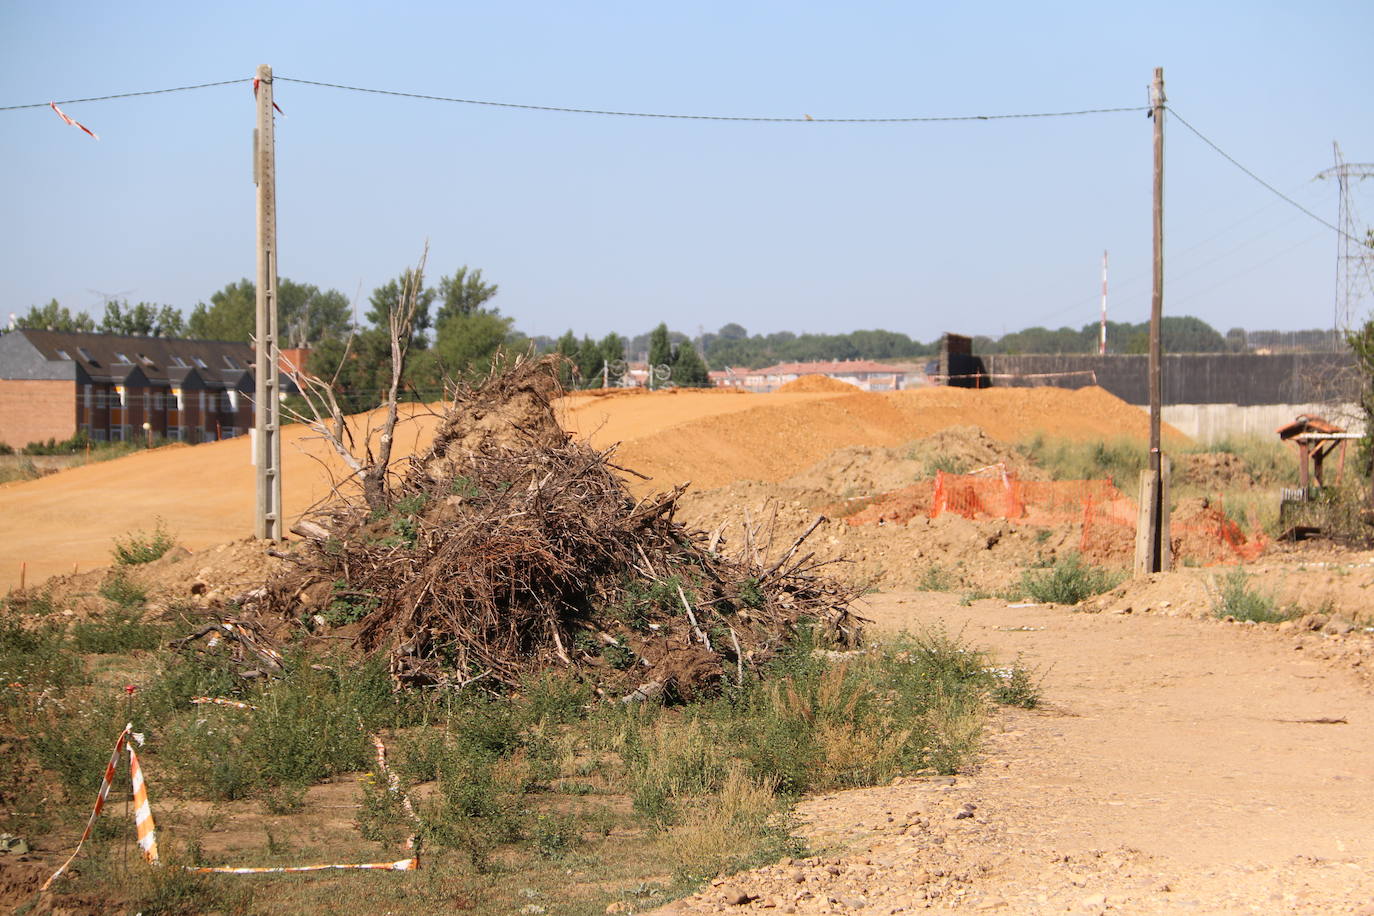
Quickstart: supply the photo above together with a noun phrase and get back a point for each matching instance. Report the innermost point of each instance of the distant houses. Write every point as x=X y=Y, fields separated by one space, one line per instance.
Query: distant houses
x=54 y=384
x=863 y=374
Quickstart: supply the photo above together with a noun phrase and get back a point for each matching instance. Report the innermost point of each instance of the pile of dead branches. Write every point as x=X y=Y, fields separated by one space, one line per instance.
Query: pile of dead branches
x=507 y=548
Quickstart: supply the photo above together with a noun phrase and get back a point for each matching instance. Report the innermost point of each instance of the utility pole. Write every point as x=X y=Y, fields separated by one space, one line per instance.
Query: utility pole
x=1152 y=543
x=267 y=519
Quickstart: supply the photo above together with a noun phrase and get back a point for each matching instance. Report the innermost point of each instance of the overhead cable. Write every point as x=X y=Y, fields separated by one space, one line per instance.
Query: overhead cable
x=705 y=117
x=1231 y=159
x=126 y=95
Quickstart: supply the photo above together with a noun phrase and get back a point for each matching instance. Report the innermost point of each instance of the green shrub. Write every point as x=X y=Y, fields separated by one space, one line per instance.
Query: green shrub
x=120 y=630
x=143 y=547
x=122 y=591
x=1237 y=599
x=34 y=658
x=935 y=578
x=1069 y=581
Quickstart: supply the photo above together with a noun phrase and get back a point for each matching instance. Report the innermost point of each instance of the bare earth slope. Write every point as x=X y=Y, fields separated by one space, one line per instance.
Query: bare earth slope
x=1179 y=767
x=205 y=493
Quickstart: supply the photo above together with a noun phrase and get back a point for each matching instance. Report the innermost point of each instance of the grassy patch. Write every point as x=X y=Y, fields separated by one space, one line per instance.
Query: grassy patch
x=1238 y=599
x=140 y=547
x=1064 y=459
x=1068 y=581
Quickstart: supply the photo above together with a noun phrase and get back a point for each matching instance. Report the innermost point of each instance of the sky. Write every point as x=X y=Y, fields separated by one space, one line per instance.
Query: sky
x=598 y=224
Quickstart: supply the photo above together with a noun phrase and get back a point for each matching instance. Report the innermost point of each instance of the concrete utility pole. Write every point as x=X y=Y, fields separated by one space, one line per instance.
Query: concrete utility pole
x=1152 y=534
x=267 y=519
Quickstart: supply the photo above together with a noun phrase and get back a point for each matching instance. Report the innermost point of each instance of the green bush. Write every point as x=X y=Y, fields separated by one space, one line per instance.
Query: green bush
x=143 y=547
x=122 y=591
x=1237 y=599
x=120 y=630
x=1068 y=581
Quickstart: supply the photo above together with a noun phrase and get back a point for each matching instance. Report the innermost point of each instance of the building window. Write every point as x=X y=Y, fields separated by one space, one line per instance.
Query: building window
x=85 y=354
x=147 y=360
x=123 y=359
x=179 y=362
x=231 y=362
x=117 y=433
x=199 y=362
x=88 y=397
x=62 y=354
x=212 y=403
x=98 y=435
x=174 y=433
x=231 y=432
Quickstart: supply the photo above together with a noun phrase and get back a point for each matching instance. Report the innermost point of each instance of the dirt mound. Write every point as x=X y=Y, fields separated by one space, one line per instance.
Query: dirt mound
x=508 y=548
x=775 y=440
x=806 y=383
x=1212 y=471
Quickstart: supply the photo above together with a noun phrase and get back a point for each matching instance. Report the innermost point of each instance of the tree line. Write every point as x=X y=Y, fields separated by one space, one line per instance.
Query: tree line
x=457 y=331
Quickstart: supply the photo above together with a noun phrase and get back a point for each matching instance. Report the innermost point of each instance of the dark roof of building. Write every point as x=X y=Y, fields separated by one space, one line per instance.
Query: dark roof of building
x=161 y=360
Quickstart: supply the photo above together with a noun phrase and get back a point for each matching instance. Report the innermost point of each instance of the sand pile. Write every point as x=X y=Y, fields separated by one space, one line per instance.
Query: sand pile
x=774 y=440
x=807 y=383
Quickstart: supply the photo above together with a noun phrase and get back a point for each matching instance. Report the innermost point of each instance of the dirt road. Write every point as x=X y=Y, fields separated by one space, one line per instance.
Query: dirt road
x=1179 y=766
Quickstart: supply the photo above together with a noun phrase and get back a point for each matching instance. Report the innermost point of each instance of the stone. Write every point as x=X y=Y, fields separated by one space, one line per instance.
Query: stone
x=619 y=906
x=1337 y=627
x=1093 y=901
x=734 y=896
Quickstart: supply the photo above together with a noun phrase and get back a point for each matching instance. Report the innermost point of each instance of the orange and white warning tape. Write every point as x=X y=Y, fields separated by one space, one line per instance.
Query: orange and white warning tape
x=143 y=812
x=70 y=120
x=99 y=802
x=221 y=701
x=147 y=829
x=393 y=785
x=410 y=864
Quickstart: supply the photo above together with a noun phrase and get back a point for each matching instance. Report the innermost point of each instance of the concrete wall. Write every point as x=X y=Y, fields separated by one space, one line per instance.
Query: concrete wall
x=1211 y=423
x=1245 y=379
x=35 y=410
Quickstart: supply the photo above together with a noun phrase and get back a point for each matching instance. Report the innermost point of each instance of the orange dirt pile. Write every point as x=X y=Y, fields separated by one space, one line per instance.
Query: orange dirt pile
x=807 y=383
x=711 y=437
x=775 y=439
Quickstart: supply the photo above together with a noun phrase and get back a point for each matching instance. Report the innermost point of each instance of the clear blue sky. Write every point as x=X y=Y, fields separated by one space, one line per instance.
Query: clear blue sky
x=601 y=224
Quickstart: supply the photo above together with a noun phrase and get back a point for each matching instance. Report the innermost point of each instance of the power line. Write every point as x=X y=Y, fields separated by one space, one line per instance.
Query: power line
x=1231 y=159
x=704 y=117
x=126 y=95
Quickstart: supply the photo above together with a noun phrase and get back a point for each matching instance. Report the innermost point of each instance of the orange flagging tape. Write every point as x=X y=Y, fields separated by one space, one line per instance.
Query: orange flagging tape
x=410 y=864
x=143 y=812
x=221 y=701
x=99 y=803
x=147 y=830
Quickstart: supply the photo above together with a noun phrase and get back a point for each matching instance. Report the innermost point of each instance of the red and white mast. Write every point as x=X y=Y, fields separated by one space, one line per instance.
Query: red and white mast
x=1102 y=338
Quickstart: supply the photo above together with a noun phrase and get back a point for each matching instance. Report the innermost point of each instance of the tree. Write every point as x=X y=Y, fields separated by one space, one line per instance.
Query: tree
x=467 y=342
x=387 y=298
x=308 y=315
x=660 y=347
x=55 y=317
x=689 y=370
x=612 y=349
x=231 y=314
x=464 y=293
x=142 y=320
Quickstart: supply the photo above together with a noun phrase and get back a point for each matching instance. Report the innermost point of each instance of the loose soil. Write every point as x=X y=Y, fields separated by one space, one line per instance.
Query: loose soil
x=1178 y=766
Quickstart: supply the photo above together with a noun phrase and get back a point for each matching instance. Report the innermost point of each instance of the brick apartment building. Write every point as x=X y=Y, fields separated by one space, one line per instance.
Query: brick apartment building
x=56 y=383
x=861 y=373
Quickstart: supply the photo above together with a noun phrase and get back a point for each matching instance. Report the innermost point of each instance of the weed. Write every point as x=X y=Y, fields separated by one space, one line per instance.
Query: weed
x=143 y=547
x=120 y=630
x=750 y=595
x=935 y=578
x=348 y=606
x=1015 y=686
x=122 y=591
x=34 y=659
x=1237 y=599
x=946 y=463
x=1069 y=581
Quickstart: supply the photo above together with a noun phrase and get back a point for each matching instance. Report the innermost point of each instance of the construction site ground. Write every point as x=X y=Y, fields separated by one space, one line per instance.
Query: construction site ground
x=1179 y=763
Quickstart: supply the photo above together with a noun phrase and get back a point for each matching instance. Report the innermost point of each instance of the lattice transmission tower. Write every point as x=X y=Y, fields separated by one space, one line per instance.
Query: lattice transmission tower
x=1354 y=254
